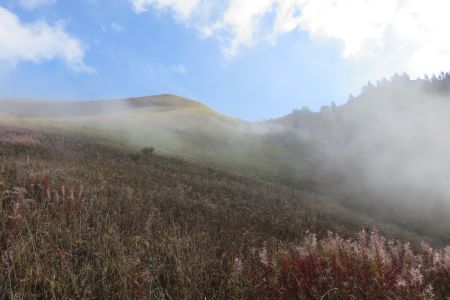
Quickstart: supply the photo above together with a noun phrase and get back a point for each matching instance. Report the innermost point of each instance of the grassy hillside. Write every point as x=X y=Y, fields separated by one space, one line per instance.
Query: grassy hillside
x=173 y=125
x=383 y=154
x=81 y=219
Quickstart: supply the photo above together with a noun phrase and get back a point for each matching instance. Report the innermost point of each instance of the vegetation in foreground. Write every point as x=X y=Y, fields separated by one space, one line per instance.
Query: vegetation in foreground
x=82 y=220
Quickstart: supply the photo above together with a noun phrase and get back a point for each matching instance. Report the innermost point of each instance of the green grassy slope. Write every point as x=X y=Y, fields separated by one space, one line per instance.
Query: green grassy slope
x=332 y=153
x=173 y=125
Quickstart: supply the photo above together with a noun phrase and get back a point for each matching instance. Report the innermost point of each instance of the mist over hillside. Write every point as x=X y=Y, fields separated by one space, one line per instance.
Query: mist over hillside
x=76 y=173
x=174 y=125
x=384 y=152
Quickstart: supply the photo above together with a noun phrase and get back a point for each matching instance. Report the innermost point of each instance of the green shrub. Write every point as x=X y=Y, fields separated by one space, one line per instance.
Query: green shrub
x=144 y=155
x=148 y=151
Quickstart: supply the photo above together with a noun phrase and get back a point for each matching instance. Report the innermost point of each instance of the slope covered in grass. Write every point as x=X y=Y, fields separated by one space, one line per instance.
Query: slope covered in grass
x=173 y=125
x=383 y=154
x=84 y=220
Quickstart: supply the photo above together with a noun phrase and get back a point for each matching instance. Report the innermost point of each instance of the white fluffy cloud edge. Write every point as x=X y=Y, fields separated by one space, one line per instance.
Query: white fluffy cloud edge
x=386 y=36
x=37 y=42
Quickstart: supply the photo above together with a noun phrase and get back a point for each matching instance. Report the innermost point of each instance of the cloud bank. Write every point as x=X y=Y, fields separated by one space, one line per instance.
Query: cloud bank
x=386 y=35
x=37 y=42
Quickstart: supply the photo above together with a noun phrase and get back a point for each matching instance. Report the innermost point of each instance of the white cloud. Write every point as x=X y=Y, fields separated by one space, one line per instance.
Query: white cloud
x=178 y=69
x=181 y=8
x=391 y=35
x=37 y=42
x=32 y=4
x=385 y=35
x=116 y=27
x=242 y=20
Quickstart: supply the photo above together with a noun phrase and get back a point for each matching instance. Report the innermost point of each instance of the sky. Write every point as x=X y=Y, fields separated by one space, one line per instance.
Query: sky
x=252 y=59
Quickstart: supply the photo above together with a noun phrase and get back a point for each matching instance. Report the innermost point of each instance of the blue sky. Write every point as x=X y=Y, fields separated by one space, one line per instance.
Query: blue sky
x=239 y=59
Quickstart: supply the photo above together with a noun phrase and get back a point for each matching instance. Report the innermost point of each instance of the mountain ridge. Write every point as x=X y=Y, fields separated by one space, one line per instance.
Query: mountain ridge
x=59 y=108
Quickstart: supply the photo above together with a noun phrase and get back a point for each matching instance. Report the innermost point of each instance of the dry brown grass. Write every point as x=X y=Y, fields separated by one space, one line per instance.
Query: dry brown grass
x=81 y=220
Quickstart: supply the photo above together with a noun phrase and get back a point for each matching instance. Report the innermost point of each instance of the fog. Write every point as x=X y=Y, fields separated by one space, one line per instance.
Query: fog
x=396 y=137
x=392 y=137
x=386 y=151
